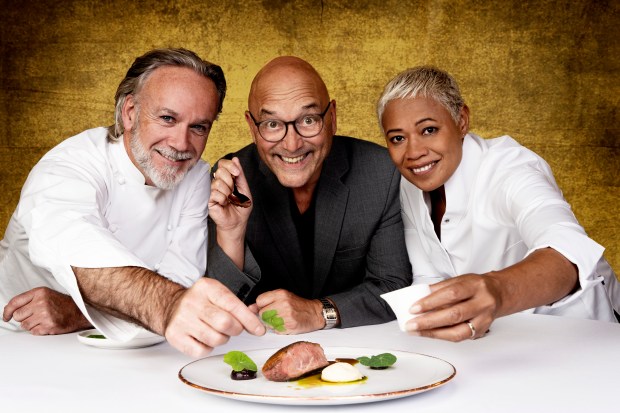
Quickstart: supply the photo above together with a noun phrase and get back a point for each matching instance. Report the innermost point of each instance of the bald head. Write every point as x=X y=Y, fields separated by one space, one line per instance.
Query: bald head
x=288 y=94
x=283 y=77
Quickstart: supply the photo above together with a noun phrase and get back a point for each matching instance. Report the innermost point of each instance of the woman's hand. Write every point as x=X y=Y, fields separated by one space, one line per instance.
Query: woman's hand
x=464 y=307
x=452 y=304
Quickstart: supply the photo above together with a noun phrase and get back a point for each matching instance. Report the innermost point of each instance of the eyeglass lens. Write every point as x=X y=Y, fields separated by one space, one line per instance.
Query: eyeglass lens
x=307 y=126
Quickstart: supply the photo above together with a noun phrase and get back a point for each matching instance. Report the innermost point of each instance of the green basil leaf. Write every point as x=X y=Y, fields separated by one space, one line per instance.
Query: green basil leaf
x=269 y=314
x=270 y=317
x=379 y=361
x=238 y=360
x=364 y=361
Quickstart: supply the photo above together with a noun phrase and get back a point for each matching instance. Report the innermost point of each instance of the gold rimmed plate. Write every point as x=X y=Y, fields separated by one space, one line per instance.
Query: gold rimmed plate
x=413 y=373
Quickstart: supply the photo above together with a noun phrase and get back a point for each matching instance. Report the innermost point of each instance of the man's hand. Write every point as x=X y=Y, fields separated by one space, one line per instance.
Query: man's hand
x=44 y=311
x=205 y=316
x=194 y=320
x=231 y=220
x=300 y=315
x=227 y=216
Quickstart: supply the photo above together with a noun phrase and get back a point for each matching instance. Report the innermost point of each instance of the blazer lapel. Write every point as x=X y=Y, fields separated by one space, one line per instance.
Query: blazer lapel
x=331 y=204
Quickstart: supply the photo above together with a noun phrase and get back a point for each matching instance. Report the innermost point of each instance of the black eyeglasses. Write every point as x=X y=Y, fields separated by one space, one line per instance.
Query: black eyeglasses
x=306 y=126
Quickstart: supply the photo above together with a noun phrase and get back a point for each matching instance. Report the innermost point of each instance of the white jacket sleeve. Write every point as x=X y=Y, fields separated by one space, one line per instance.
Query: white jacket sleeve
x=544 y=219
x=60 y=209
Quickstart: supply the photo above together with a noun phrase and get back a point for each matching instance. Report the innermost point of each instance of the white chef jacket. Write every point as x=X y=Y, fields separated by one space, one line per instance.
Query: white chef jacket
x=502 y=203
x=86 y=205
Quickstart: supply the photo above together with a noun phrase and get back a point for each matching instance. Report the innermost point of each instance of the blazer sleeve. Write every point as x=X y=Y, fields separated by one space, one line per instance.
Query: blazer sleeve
x=220 y=267
x=387 y=268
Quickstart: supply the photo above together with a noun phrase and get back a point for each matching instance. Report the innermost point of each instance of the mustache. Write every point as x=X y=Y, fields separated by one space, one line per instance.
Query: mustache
x=175 y=155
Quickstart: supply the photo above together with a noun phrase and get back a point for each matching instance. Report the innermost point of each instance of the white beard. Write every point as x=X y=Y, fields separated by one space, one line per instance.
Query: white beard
x=164 y=177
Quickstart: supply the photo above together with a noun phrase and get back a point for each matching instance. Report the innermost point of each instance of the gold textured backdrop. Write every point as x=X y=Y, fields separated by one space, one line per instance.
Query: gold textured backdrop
x=545 y=72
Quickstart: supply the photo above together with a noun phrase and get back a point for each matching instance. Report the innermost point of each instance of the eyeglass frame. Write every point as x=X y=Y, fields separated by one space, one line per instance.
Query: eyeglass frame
x=290 y=122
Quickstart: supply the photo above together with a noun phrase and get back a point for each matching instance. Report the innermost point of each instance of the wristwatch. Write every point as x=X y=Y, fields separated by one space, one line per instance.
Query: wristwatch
x=329 y=313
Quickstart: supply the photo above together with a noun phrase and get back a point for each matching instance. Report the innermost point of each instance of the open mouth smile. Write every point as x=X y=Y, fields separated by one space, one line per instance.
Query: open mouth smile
x=423 y=169
x=294 y=160
x=174 y=156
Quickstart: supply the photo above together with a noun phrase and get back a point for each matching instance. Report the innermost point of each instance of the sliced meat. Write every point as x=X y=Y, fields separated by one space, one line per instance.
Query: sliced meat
x=294 y=360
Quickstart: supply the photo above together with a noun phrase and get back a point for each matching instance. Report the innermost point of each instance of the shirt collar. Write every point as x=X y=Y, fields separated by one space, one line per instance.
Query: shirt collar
x=458 y=188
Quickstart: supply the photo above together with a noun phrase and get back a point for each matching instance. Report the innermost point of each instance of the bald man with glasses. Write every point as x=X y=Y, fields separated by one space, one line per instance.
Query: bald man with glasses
x=323 y=236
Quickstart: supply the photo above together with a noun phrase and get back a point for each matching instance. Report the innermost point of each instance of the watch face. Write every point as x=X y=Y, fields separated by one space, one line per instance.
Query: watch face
x=329 y=314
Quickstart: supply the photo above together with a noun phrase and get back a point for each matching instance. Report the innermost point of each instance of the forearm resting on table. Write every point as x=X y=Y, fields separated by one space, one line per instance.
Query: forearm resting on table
x=542 y=278
x=134 y=294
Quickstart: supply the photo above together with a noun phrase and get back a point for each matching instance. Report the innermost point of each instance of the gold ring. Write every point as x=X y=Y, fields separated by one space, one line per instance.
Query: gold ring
x=472 y=328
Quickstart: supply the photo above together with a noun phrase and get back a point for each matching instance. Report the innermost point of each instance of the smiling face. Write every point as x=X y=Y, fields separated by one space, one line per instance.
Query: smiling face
x=167 y=124
x=287 y=89
x=424 y=141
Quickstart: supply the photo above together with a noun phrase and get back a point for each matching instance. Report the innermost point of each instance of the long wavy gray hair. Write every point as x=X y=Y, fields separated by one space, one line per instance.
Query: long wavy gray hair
x=146 y=64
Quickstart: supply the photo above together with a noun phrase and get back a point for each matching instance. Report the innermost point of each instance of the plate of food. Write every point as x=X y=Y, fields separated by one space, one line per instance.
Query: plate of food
x=304 y=373
x=94 y=338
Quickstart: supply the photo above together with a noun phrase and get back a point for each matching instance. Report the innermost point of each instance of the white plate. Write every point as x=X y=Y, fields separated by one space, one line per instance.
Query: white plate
x=412 y=373
x=144 y=339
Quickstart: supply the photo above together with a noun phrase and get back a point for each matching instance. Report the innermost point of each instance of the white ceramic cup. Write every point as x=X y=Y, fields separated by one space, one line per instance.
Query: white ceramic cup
x=401 y=301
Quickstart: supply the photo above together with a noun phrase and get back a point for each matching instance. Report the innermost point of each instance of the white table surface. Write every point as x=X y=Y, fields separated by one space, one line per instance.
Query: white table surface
x=527 y=363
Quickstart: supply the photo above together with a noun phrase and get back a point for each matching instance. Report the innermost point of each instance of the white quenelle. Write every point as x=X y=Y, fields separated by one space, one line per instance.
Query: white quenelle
x=401 y=301
x=341 y=373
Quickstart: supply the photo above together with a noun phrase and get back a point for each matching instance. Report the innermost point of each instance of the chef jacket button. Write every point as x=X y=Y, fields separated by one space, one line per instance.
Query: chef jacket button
x=113 y=228
x=121 y=180
x=157 y=266
x=169 y=227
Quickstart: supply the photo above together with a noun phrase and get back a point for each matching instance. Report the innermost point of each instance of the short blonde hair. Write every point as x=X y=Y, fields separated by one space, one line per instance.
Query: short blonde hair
x=424 y=81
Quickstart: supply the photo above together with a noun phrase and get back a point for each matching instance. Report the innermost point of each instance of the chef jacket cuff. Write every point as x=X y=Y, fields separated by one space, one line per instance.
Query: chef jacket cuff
x=579 y=249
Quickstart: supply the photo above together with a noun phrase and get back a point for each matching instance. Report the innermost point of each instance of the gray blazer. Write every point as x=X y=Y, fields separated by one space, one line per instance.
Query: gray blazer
x=359 y=246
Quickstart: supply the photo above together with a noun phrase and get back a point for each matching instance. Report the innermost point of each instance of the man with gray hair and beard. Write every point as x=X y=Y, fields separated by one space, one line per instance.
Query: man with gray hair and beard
x=111 y=226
